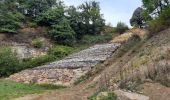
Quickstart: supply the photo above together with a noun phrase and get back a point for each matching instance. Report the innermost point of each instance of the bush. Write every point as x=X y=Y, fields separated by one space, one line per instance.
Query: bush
x=121 y=27
x=62 y=33
x=34 y=62
x=160 y=23
x=97 y=95
x=10 y=22
x=37 y=43
x=50 y=17
x=61 y=51
x=93 y=39
x=9 y=63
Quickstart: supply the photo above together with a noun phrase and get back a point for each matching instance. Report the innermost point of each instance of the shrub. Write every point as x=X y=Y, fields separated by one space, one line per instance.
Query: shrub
x=37 y=43
x=97 y=95
x=34 y=62
x=9 y=62
x=32 y=24
x=61 y=51
x=62 y=33
x=93 y=39
x=160 y=23
x=121 y=27
x=50 y=17
x=10 y=22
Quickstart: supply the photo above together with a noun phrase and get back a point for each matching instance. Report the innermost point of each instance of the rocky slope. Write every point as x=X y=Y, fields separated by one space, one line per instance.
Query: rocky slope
x=68 y=70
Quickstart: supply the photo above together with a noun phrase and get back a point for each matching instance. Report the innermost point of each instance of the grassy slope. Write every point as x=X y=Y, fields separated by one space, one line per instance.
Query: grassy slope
x=145 y=60
x=10 y=90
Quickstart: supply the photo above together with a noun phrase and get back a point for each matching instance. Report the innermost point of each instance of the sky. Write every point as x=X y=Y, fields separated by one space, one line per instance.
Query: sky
x=114 y=10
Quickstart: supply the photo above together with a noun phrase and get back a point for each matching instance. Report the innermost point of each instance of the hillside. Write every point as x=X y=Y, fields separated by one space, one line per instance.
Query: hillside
x=139 y=66
x=56 y=50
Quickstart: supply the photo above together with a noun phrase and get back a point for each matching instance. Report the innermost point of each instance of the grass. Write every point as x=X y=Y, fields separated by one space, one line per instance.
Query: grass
x=94 y=39
x=110 y=96
x=10 y=89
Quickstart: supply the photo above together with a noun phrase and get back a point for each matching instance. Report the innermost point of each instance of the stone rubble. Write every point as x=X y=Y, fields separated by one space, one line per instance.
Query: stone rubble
x=68 y=70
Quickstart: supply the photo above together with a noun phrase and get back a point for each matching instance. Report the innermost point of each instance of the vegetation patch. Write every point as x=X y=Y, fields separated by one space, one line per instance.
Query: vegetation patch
x=37 y=43
x=94 y=39
x=11 y=90
x=100 y=96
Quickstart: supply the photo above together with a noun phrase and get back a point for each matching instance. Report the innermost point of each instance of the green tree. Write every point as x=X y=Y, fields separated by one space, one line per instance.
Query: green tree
x=137 y=19
x=155 y=7
x=74 y=16
x=34 y=7
x=50 y=17
x=121 y=27
x=91 y=17
x=9 y=63
x=62 y=33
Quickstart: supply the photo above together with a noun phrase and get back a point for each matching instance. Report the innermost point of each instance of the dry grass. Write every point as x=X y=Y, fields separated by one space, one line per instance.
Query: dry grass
x=123 y=38
x=149 y=61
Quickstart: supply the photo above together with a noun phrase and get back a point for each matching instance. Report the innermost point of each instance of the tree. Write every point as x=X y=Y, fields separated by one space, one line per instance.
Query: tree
x=155 y=7
x=50 y=17
x=121 y=27
x=137 y=18
x=73 y=15
x=92 y=19
x=62 y=33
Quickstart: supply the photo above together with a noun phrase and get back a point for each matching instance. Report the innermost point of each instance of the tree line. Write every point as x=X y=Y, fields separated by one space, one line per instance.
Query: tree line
x=151 y=13
x=65 y=24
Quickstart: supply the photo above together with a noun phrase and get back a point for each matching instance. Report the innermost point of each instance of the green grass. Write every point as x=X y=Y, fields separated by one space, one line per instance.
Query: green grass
x=10 y=90
x=110 y=96
x=94 y=39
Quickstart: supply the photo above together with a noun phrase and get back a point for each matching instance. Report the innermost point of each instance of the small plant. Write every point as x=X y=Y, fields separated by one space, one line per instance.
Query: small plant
x=93 y=39
x=37 y=43
x=98 y=96
x=9 y=63
x=121 y=27
x=34 y=62
x=61 y=51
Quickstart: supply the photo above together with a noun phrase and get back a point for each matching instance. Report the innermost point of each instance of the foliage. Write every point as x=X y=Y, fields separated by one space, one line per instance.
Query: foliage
x=62 y=33
x=137 y=19
x=34 y=62
x=93 y=39
x=10 y=22
x=121 y=27
x=65 y=24
x=11 y=90
x=8 y=62
x=86 y=19
x=51 y=17
x=110 y=96
x=160 y=23
x=61 y=51
x=155 y=7
x=37 y=43
x=32 y=8
x=92 y=18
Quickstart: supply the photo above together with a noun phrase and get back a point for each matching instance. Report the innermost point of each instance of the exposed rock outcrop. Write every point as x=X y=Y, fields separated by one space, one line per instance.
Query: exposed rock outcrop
x=68 y=70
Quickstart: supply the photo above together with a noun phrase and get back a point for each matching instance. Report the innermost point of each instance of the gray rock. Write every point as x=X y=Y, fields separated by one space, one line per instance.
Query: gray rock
x=68 y=70
x=122 y=95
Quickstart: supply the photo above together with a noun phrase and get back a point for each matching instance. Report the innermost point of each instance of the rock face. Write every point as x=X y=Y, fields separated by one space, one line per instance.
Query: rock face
x=24 y=52
x=68 y=70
